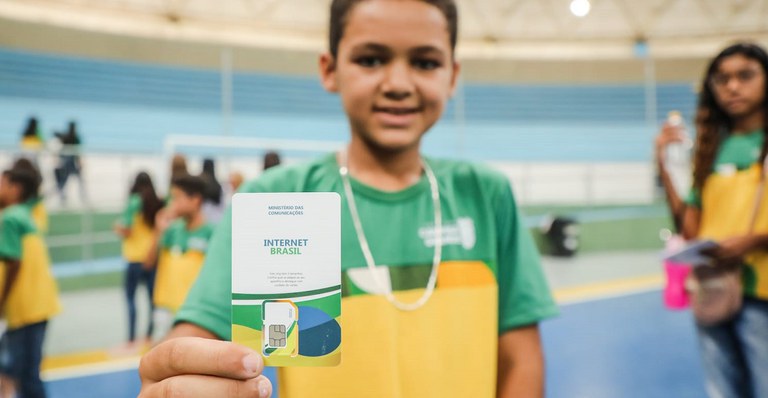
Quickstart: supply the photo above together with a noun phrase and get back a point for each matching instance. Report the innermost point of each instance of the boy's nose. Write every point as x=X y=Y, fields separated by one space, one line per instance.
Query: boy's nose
x=397 y=81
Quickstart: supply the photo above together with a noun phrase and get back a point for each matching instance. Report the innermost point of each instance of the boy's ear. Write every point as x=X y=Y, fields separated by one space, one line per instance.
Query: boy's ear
x=455 y=77
x=327 y=65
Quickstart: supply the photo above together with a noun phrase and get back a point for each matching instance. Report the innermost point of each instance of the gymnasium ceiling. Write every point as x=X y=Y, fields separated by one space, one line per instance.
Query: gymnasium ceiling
x=514 y=29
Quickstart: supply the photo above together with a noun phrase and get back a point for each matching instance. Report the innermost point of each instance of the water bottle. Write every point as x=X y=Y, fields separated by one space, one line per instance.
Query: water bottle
x=675 y=294
x=678 y=158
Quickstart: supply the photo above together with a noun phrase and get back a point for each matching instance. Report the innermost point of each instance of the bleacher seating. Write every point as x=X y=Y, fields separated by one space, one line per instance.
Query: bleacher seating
x=124 y=106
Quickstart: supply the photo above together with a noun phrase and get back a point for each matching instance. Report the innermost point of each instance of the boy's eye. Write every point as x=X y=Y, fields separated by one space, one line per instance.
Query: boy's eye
x=369 y=61
x=426 y=64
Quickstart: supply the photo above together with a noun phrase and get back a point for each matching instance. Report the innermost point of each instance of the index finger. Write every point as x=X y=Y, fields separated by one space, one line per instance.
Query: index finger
x=195 y=355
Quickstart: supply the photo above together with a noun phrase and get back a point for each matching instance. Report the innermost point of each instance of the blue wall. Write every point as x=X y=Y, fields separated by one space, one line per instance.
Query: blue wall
x=125 y=106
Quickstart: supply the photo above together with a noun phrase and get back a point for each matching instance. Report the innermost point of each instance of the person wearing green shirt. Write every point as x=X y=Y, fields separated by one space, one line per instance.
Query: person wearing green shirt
x=28 y=295
x=442 y=286
x=728 y=172
x=182 y=243
x=136 y=227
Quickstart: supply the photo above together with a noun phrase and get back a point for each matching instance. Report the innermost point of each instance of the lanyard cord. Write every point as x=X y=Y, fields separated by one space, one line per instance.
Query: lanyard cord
x=438 y=241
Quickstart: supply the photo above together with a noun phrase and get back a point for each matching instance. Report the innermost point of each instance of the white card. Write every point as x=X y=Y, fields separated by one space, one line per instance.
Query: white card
x=692 y=254
x=286 y=276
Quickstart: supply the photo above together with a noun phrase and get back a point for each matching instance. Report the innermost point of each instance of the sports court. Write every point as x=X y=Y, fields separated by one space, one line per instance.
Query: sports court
x=608 y=315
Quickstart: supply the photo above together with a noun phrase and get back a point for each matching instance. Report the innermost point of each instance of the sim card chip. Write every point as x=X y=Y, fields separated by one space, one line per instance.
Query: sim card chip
x=277 y=336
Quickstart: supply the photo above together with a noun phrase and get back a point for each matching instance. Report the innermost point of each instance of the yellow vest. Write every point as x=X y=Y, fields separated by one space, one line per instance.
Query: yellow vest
x=138 y=244
x=33 y=142
x=40 y=217
x=406 y=343
x=34 y=295
x=176 y=272
x=727 y=205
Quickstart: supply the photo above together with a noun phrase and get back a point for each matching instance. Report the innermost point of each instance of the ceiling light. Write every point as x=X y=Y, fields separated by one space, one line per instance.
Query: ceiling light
x=580 y=8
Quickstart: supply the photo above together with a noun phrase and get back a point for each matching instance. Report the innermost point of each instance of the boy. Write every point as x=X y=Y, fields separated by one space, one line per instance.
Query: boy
x=182 y=244
x=472 y=330
x=29 y=294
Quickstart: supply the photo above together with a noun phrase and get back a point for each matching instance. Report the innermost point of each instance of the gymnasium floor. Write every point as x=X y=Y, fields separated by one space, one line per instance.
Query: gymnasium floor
x=614 y=338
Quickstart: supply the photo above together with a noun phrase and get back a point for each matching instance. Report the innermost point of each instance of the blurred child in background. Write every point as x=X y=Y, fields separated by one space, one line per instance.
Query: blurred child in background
x=70 y=163
x=181 y=245
x=271 y=159
x=28 y=296
x=728 y=170
x=32 y=140
x=178 y=167
x=214 y=203
x=40 y=219
x=137 y=230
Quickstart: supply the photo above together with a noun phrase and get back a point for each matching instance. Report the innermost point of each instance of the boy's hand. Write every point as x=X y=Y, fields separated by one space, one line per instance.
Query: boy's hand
x=198 y=367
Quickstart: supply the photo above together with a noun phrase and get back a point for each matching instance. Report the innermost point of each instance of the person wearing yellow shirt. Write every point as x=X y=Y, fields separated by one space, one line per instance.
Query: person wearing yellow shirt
x=40 y=219
x=29 y=295
x=182 y=244
x=136 y=227
x=31 y=139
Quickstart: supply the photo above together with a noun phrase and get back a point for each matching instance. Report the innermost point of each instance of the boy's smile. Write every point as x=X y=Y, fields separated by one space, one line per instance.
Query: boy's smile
x=394 y=71
x=396 y=116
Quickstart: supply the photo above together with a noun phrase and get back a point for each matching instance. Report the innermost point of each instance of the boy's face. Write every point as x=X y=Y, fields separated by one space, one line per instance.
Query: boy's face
x=739 y=86
x=184 y=205
x=394 y=71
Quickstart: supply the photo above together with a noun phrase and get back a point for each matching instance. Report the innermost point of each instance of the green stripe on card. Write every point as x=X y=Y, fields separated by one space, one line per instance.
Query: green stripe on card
x=248 y=296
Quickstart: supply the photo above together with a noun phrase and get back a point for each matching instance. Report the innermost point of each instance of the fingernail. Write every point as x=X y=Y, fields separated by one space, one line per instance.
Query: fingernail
x=251 y=363
x=265 y=388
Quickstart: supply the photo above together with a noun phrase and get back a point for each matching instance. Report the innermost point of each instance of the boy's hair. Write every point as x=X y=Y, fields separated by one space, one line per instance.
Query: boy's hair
x=26 y=164
x=712 y=120
x=24 y=178
x=191 y=185
x=341 y=8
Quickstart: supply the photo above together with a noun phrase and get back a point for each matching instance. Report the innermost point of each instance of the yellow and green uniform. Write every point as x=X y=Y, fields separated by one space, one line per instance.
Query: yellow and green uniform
x=727 y=201
x=40 y=219
x=181 y=256
x=489 y=281
x=32 y=142
x=39 y=213
x=139 y=242
x=33 y=296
